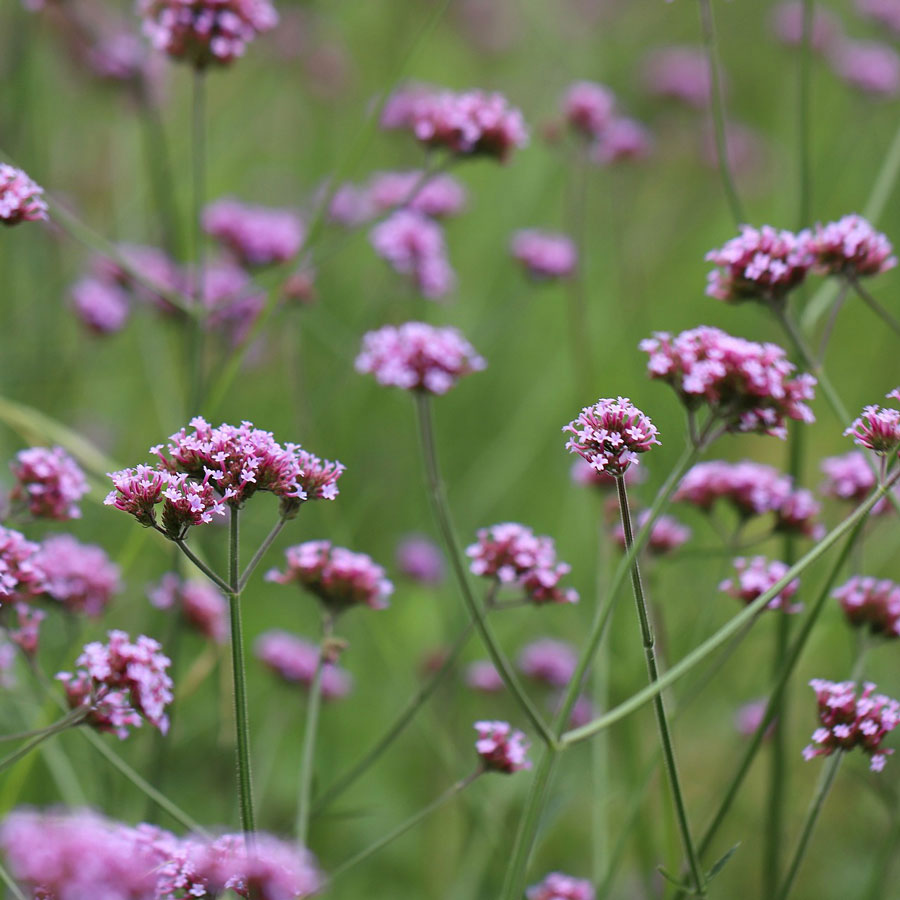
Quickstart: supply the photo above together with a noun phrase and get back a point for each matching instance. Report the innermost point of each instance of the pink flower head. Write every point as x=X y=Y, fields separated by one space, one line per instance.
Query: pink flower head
x=873 y=602
x=418 y=357
x=118 y=56
x=544 y=254
x=787 y=23
x=588 y=108
x=549 y=661
x=200 y=604
x=666 y=535
x=25 y=632
x=296 y=661
x=420 y=559
x=622 y=140
x=399 y=110
x=557 y=886
x=205 y=32
x=850 y=246
x=610 y=434
x=877 y=429
x=49 y=482
x=187 y=502
x=849 y=477
x=255 y=235
x=338 y=577
x=584 y=474
x=121 y=682
x=750 y=716
x=20 y=198
x=882 y=12
x=849 y=720
x=757 y=575
x=798 y=513
x=758 y=264
x=501 y=749
x=20 y=576
x=868 y=66
x=155 y=273
x=483 y=676
x=351 y=206
x=137 y=491
x=748 y=386
x=514 y=555
x=231 y=300
x=437 y=196
x=751 y=488
x=678 y=73
x=101 y=306
x=79 y=576
x=414 y=246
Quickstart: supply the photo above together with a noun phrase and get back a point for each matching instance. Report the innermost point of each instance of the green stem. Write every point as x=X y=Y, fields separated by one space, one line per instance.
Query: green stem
x=874 y=305
x=63 y=724
x=72 y=718
x=662 y=723
x=196 y=347
x=7 y=879
x=261 y=551
x=220 y=583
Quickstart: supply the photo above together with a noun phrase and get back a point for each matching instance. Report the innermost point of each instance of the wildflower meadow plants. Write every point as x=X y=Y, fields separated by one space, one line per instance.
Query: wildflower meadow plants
x=476 y=255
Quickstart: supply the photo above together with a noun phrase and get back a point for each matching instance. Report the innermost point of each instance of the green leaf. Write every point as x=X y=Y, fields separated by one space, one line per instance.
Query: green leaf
x=720 y=864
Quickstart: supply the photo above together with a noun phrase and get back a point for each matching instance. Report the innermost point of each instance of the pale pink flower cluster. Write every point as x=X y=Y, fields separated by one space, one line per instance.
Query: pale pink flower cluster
x=79 y=576
x=121 y=683
x=787 y=23
x=548 y=661
x=118 y=56
x=850 y=477
x=750 y=387
x=666 y=535
x=877 y=429
x=419 y=559
x=205 y=32
x=338 y=577
x=610 y=434
x=101 y=306
x=25 y=632
x=482 y=675
x=49 y=482
x=436 y=196
x=416 y=356
x=850 y=246
x=558 y=886
x=849 y=719
x=20 y=576
x=544 y=254
x=870 y=67
x=678 y=73
x=151 y=264
x=254 y=235
x=514 y=555
x=871 y=601
x=501 y=748
x=198 y=603
x=20 y=198
x=757 y=575
x=623 y=140
x=296 y=660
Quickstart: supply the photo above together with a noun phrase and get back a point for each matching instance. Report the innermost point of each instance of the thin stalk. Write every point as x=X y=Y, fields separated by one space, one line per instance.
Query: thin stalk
x=830 y=323
x=662 y=723
x=35 y=742
x=7 y=879
x=71 y=719
x=874 y=305
x=220 y=583
x=260 y=552
x=414 y=820
x=448 y=533
x=804 y=168
x=196 y=348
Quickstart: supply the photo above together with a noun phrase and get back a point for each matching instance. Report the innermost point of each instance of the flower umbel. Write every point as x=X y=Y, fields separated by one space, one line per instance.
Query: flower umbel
x=873 y=602
x=49 y=482
x=21 y=200
x=501 y=748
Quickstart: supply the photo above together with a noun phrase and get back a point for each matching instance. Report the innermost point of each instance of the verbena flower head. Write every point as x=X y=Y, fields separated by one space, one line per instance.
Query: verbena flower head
x=847 y=477
x=501 y=748
x=623 y=140
x=868 y=66
x=882 y=12
x=482 y=675
x=20 y=576
x=255 y=235
x=79 y=576
x=678 y=73
x=49 y=482
x=749 y=387
x=851 y=718
x=205 y=32
x=751 y=488
x=544 y=254
x=850 y=246
x=757 y=575
x=420 y=559
x=187 y=502
x=438 y=196
x=877 y=429
x=787 y=23
x=20 y=198
x=154 y=267
x=666 y=535
x=122 y=683
x=25 y=630
x=549 y=661
x=199 y=604
x=588 y=108
x=798 y=514
x=749 y=717
x=418 y=357
x=610 y=434
x=558 y=886
x=338 y=577
x=102 y=307
x=873 y=602
x=137 y=491
x=295 y=660
x=759 y=264
x=514 y=555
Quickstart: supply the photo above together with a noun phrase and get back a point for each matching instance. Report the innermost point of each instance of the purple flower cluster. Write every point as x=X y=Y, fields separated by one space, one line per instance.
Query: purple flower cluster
x=418 y=357
x=419 y=559
x=296 y=660
x=20 y=576
x=666 y=535
x=482 y=675
x=678 y=73
x=254 y=235
x=877 y=429
x=501 y=748
x=79 y=576
x=787 y=23
x=849 y=719
x=544 y=255
x=873 y=602
x=438 y=196
x=338 y=577
x=868 y=66
x=198 y=603
x=850 y=246
x=548 y=661
x=121 y=683
x=20 y=198
x=101 y=305
x=757 y=575
x=49 y=482
x=558 y=886
x=850 y=477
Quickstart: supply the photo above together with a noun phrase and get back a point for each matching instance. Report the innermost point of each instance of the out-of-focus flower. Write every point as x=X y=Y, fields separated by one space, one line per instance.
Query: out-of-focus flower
x=883 y=12
x=436 y=196
x=745 y=148
x=200 y=604
x=850 y=246
x=49 y=482
x=549 y=661
x=501 y=748
x=7 y=663
x=787 y=23
x=584 y=474
x=850 y=477
x=79 y=576
x=868 y=66
x=351 y=206
x=400 y=107
x=588 y=108
x=749 y=717
x=152 y=269
x=25 y=630
x=757 y=575
x=558 y=886
x=622 y=140
x=543 y=254
x=678 y=73
x=666 y=535
x=296 y=660
x=255 y=235
x=418 y=357
x=101 y=306
x=849 y=719
x=877 y=429
x=20 y=577
x=483 y=676
x=873 y=602
x=420 y=559
x=20 y=198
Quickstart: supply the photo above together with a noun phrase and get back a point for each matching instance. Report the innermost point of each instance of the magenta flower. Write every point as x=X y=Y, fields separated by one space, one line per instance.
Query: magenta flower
x=205 y=32
x=255 y=235
x=319 y=477
x=338 y=577
x=584 y=474
x=49 y=482
x=501 y=749
x=101 y=306
x=588 y=108
x=678 y=73
x=436 y=196
x=121 y=683
x=666 y=535
x=868 y=66
x=873 y=602
x=558 y=886
x=757 y=575
x=187 y=502
x=751 y=488
x=200 y=604
x=482 y=675
x=20 y=576
x=850 y=246
x=622 y=140
x=548 y=661
x=877 y=429
x=850 y=477
x=118 y=56
x=748 y=386
x=787 y=23
x=420 y=559
x=543 y=254
x=610 y=434
x=797 y=515
x=20 y=198
x=418 y=357
x=351 y=206
x=25 y=631
x=153 y=266
x=399 y=110
x=296 y=661
x=79 y=576
x=849 y=720
x=137 y=491
x=749 y=717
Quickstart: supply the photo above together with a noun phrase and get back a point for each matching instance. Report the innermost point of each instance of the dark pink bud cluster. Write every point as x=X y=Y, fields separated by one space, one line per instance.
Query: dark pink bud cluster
x=20 y=576
x=557 y=886
x=420 y=559
x=296 y=660
x=79 y=576
x=850 y=719
x=850 y=246
x=678 y=73
x=20 y=198
x=122 y=683
x=200 y=604
x=750 y=387
x=204 y=32
x=418 y=357
x=757 y=575
x=543 y=254
x=871 y=601
x=877 y=429
x=501 y=748
x=514 y=555
x=548 y=661
x=666 y=535
x=254 y=235
x=610 y=434
x=49 y=482
x=339 y=577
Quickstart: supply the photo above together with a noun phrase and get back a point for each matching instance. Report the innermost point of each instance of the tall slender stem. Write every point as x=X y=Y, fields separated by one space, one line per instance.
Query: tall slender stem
x=260 y=552
x=874 y=305
x=196 y=349
x=223 y=585
x=665 y=735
